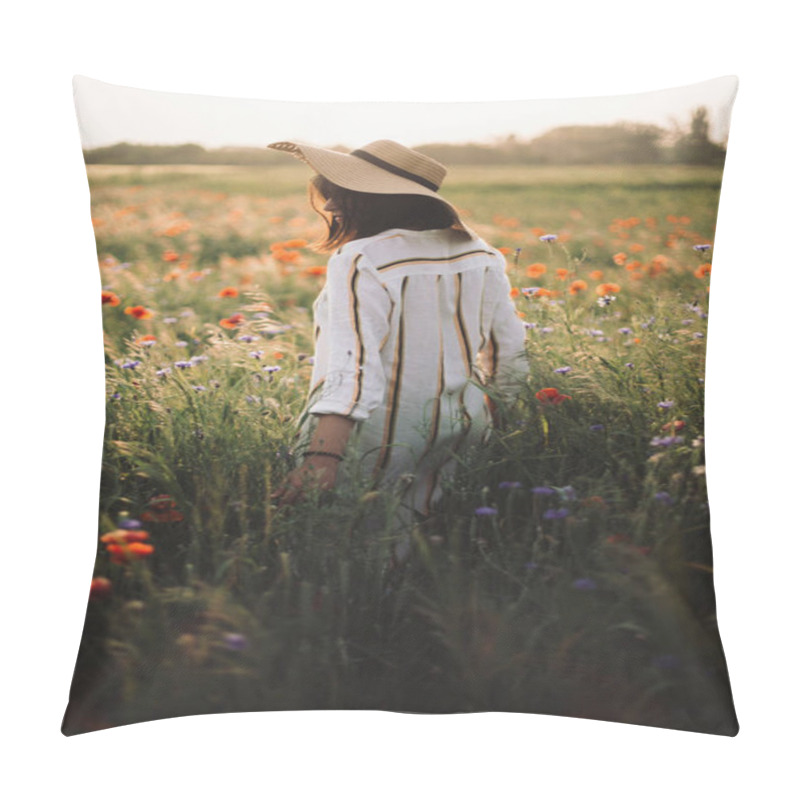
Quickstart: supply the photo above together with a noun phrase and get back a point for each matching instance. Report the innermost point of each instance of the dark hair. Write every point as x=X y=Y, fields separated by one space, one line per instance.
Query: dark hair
x=366 y=214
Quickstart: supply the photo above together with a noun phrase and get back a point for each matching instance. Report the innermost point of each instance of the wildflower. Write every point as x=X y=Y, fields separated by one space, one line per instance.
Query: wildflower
x=199 y=388
x=562 y=273
x=256 y=354
x=485 y=511
x=170 y=255
x=110 y=298
x=184 y=364
x=546 y=330
x=233 y=321
x=235 y=641
x=123 y=553
x=169 y=320
x=666 y=404
x=228 y=291
x=663 y=497
x=139 y=312
x=551 y=397
x=665 y=441
x=556 y=513
x=531 y=565
x=597 y=427
x=543 y=490
x=548 y=237
x=130 y=364
x=606 y=300
x=129 y=524
x=535 y=270
x=584 y=584
x=620 y=258
x=607 y=288
x=562 y=370
x=702 y=271
x=509 y=485
x=625 y=331
x=701 y=248
x=272 y=368
x=675 y=425
x=164 y=371
x=246 y=337
x=630 y=365
x=596 y=275
x=567 y=493
x=148 y=340
x=578 y=286
x=162 y=508
x=198 y=359
x=124 y=536
x=100 y=589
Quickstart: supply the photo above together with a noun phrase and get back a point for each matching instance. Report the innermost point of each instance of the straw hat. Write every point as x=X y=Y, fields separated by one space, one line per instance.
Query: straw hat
x=381 y=167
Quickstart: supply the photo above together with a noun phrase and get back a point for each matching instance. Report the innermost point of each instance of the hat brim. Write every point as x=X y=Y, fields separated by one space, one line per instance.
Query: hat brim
x=352 y=172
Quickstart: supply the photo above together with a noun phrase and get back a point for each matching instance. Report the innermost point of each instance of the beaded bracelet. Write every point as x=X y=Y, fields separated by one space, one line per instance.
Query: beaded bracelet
x=337 y=456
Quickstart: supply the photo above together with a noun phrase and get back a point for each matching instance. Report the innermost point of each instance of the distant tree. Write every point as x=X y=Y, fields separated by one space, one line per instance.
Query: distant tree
x=696 y=147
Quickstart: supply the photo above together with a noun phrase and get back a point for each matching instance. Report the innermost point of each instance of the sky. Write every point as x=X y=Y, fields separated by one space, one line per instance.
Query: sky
x=109 y=113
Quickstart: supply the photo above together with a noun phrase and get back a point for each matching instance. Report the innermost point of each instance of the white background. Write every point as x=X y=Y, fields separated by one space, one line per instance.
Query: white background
x=53 y=391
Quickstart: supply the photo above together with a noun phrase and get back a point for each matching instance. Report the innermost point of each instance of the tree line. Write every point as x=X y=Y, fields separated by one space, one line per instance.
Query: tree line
x=620 y=143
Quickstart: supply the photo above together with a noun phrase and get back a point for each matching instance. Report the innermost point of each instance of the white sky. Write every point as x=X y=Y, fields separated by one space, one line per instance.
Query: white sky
x=108 y=113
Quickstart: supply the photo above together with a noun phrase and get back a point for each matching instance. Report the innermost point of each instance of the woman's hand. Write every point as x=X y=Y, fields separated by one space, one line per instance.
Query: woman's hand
x=319 y=471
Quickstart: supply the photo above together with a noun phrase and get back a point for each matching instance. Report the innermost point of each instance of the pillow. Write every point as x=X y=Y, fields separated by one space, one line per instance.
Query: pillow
x=425 y=436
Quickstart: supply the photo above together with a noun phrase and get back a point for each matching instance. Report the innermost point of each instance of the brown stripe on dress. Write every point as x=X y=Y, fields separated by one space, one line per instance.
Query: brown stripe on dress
x=394 y=388
x=466 y=352
x=356 y=323
x=432 y=260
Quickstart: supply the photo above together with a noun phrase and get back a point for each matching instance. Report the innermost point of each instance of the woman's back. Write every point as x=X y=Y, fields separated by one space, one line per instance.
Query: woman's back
x=398 y=327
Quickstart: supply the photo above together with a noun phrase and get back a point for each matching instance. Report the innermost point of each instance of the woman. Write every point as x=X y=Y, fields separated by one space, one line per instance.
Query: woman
x=414 y=319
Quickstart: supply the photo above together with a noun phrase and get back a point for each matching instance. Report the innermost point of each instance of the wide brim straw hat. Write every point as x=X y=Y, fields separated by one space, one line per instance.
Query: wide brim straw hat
x=380 y=167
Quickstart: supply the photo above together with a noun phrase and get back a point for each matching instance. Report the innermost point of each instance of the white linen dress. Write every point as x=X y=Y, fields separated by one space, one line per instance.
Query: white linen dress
x=398 y=327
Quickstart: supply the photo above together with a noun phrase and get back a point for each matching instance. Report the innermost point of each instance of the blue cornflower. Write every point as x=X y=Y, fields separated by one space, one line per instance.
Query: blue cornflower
x=130 y=364
x=597 y=427
x=556 y=513
x=184 y=364
x=164 y=371
x=562 y=370
x=666 y=404
x=485 y=511
x=701 y=248
x=663 y=497
x=272 y=368
x=235 y=641
x=665 y=441
x=129 y=524
x=509 y=485
x=542 y=490
x=548 y=237
x=246 y=337
x=584 y=584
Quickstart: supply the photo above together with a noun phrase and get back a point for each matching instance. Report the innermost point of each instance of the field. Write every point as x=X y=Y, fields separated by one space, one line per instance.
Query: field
x=571 y=570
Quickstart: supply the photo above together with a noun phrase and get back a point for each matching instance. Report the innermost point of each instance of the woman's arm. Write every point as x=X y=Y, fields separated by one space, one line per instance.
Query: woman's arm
x=330 y=436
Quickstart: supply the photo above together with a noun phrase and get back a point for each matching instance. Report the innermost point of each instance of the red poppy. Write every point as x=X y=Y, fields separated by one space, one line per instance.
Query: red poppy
x=551 y=397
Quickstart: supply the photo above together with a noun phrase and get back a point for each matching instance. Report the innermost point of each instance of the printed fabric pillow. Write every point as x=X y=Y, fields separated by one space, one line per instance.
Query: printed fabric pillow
x=405 y=407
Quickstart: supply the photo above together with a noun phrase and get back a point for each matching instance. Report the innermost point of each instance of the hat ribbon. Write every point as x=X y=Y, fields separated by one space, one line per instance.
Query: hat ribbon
x=401 y=173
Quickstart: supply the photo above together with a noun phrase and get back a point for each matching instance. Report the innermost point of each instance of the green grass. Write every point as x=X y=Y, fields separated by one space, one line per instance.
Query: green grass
x=607 y=612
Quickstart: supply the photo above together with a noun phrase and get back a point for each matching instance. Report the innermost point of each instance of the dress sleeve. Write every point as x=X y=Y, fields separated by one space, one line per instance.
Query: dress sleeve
x=507 y=335
x=358 y=314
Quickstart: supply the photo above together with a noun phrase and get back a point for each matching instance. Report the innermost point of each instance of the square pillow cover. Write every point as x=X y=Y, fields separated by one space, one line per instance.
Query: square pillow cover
x=404 y=407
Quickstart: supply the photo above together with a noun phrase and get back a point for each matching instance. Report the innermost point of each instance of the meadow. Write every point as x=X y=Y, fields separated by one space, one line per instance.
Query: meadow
x=570 y=571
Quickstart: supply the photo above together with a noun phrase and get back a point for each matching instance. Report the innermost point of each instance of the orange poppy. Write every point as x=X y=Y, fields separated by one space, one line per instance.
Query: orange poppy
x=607 y=288
x=535 y=270
x=233 y=321
x=100 y=588
x=636 y=247
x=546 y=293
x=162 y=508
x=123 y=553
x=320 y=270
x=504 y=250
x=514 y=292
x=578 y=286
x=675 y=425
x=140 y=312
x=148 y=337
x=228 y=291
x=551 y=396
x=122 y=536
x=596 y=275
x=109 y=298
x=295 y=243
x=702 y=270
x=620 y=258
x=170 y=255
x=562 y=273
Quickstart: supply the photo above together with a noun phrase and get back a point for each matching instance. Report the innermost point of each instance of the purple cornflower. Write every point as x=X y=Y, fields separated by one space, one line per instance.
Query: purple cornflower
x=169 y=320
x=584 y=584
x=116 y=396
x=701 y=248
x=663 y=497
x=198 y=359
x=531 y=565
x=626 y=331
x=272 y=368
x=183 y=364
x=697 y=335
x=562 y=370
x=164 y=371
x=542 y=490
x=666 y=404
x=548 y=237
x=235 y=641
x=256 y=354
x=129 y=524
x=606 y=300
x=251 y=398
x=130 y=364
x=556 y=513
x=546 y=330
x=509 y=485
x=629 y=365
x=181 y=343
x=246 y=337
x=597 y=427
x=529 y=291
x=199 y=388
x=665 y=441
x=529 y=325
x=485 y=511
